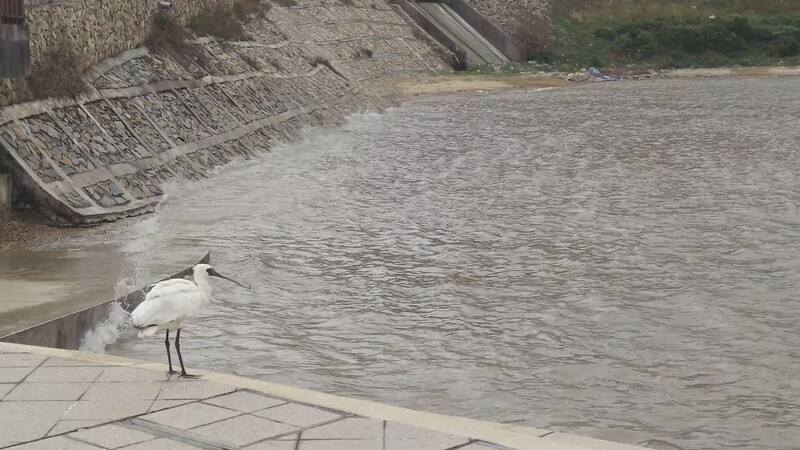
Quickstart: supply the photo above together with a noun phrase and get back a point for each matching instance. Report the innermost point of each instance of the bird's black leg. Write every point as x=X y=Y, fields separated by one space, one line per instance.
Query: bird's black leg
x=169 y=357
x=180 y=358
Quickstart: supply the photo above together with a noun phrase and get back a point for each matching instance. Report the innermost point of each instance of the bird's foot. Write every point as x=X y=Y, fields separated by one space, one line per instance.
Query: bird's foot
x=172 y=372
x=186 y=375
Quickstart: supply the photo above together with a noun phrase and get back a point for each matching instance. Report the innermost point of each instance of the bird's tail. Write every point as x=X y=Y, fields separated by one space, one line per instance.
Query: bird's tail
x=147 y=331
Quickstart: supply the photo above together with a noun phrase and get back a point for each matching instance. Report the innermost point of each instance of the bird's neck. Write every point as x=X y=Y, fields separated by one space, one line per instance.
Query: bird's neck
x=204 y=283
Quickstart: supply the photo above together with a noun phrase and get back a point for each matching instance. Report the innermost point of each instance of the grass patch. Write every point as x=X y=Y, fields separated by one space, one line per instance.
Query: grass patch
x=673 y=34
x=227 y=23
x=58 y=73
x=218 y=21
x=170 y=37
x=246 y=9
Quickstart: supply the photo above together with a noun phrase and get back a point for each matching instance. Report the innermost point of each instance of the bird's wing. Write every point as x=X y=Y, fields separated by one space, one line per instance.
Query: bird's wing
x=168 y=301
x=167 y=286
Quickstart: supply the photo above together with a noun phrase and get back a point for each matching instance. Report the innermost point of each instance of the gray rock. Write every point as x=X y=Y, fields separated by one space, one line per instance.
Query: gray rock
x=115 y=190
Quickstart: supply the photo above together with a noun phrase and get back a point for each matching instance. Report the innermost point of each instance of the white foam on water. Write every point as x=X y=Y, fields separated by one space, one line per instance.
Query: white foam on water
x=117 y=324
x=108 y=331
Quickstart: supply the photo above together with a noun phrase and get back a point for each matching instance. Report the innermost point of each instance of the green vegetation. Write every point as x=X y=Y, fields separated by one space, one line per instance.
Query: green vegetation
x=671 y=34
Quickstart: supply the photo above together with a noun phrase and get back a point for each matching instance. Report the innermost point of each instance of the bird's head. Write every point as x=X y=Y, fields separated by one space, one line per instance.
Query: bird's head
x=207 y=270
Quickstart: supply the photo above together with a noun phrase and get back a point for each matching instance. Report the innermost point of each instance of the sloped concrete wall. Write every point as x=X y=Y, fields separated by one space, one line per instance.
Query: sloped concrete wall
x=151 y=117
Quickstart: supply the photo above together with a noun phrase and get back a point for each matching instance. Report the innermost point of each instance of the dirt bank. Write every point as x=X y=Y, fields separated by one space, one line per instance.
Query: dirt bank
x=736 y=72
x=453 y=84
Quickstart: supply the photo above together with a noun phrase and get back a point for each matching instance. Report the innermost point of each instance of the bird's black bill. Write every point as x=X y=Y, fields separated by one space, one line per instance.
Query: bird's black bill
x=214 y=273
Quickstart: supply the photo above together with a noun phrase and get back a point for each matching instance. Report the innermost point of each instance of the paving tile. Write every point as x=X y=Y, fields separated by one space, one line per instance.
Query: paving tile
x=342 y=445
x=406 y=437
x=243 y=430
x=64 y=374
x=272 y=445
x=102 y=410
x=484 y=446
x=571 y=440
x=161 y=444
x=244 y=401
x=357 y=428
x=25 y=421
x=57 y=443
x=190 y=416
x=158 y=405
x=14 y=374
x=55 y=361
x=47 y=391
x=300 y=415
x=111 y=436
x=5 y=388
x=123 y=391
x=65 y=426
x=131 y=374
x=21 y=360
x=423 y=444
x=192 y=390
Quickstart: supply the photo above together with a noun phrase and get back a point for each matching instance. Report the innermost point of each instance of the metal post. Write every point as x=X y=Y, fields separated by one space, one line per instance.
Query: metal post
x=5 y=197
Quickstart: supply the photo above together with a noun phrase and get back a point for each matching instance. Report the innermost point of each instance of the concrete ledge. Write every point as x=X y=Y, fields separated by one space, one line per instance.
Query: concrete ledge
x=514 y=436
x=488 y=30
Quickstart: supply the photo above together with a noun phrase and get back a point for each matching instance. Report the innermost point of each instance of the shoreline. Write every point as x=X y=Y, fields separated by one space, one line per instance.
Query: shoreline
x=455 y=83
x=461 y=82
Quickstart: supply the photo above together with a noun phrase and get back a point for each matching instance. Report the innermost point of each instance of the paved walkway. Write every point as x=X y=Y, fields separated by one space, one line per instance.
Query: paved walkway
x=57 y=399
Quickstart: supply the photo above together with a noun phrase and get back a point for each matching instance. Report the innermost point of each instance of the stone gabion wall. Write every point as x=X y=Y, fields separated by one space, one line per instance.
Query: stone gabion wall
x=505 y=13
x=152 y=117
x=98 y=29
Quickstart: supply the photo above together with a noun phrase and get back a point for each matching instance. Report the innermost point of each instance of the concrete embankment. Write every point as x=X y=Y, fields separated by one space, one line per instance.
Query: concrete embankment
x=53 y=398
x=150 y=117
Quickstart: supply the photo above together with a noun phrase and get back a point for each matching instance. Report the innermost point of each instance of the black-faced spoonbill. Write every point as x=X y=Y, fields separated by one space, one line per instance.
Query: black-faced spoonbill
x=170 y=302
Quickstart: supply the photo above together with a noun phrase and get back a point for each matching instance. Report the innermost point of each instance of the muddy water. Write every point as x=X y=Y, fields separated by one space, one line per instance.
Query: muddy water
x=616 y=260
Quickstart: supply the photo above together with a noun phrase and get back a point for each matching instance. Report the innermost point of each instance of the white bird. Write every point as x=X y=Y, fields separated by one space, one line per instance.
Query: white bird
x=170 y=303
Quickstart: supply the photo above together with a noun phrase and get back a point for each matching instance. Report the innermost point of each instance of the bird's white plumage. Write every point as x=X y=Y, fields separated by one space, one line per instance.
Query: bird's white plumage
x=171 y=302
